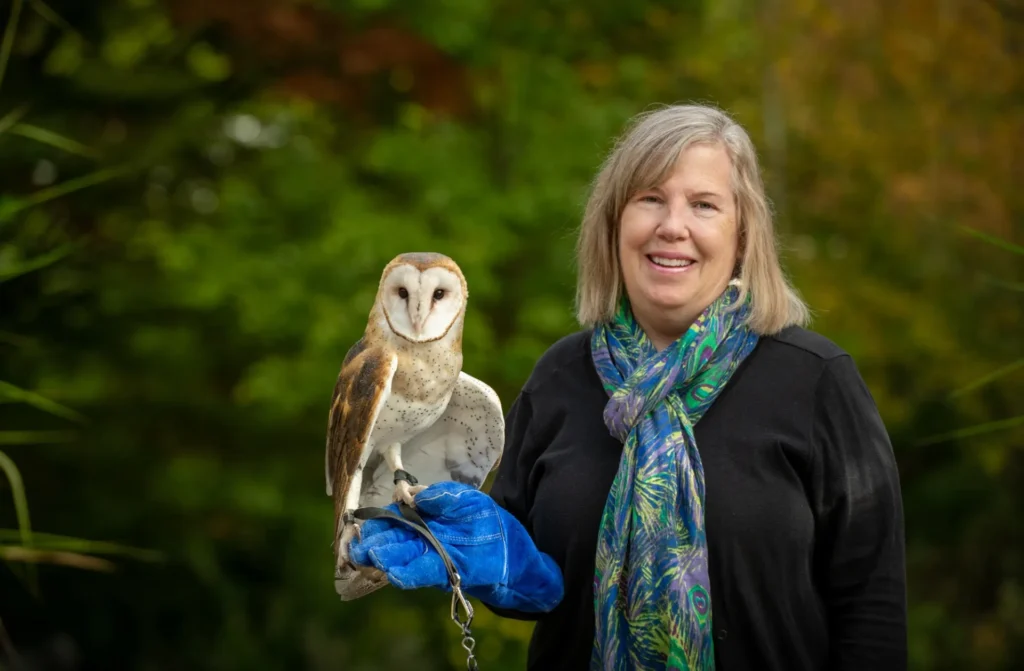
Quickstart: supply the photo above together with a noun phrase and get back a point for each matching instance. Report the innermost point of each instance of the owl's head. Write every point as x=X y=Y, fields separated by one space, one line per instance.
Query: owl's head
x=422 y=295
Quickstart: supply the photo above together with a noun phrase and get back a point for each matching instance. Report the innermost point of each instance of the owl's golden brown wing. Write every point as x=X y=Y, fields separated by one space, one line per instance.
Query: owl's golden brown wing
x=363 y=386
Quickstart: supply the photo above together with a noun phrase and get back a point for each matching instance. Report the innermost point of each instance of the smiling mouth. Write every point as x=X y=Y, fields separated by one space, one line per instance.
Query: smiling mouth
x=670 y=263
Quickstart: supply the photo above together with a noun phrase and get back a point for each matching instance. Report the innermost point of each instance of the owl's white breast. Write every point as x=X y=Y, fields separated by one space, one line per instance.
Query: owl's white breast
x=420 y=389
x=400 y=419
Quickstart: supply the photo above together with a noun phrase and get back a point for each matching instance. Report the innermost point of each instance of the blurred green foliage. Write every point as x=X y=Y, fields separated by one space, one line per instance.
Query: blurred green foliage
x=196 y=202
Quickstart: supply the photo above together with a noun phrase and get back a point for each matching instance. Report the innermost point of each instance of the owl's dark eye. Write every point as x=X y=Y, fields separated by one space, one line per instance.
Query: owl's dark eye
x=439 y=294
x=403 y=293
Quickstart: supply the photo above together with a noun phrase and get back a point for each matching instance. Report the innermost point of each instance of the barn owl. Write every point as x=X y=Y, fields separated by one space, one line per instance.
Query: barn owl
x=404 y=415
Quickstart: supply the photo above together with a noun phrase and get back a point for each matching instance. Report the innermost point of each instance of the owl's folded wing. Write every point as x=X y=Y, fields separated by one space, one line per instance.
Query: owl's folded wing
x=464 y=444
x=363 y=386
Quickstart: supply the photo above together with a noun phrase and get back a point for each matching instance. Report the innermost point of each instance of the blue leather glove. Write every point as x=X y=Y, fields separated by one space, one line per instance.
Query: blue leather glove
x=494 y=555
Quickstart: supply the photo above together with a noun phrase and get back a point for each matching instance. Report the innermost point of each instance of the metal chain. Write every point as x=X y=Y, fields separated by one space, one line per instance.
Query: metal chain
x=409 y=517
x=468 y=643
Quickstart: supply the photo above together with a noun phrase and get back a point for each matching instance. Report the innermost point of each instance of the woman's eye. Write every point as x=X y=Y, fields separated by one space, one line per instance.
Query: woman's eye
x=439 y=294
x=403 y=293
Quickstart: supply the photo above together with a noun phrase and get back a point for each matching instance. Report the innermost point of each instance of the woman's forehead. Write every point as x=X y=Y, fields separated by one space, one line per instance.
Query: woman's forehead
x=658 y=165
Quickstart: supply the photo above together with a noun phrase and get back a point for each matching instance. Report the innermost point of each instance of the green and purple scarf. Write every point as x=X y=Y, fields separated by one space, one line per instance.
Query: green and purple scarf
x=651 y=587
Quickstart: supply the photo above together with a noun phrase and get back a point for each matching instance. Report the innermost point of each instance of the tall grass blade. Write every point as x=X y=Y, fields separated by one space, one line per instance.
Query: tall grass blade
x=987 y=379
x=54 y=140
x=993 y=240
x=53 y=17
x=35 y=437
x=34 y=264
x=12 y=117
x=58 y=190
x=1003 y=284
x=16 y=340
x=48 y=541
x=32 y=556
x=978 y=429
x=9 y=391
x=10 y=469
x=8 y=41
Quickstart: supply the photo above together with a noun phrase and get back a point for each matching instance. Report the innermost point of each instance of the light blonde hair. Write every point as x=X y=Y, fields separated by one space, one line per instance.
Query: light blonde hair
x=643 y=157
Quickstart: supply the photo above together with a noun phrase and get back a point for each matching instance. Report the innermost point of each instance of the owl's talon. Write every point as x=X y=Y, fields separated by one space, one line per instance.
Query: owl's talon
x=406 y=493
x=349 y=531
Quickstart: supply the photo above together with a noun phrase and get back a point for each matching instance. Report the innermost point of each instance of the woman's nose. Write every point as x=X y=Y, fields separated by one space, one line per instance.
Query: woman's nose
x=675 y=224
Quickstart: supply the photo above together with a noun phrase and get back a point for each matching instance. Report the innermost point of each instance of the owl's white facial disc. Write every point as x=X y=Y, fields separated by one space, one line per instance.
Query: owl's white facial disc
x=421 y=306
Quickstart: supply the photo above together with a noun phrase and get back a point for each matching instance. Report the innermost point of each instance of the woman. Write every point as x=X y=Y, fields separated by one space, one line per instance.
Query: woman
x=695 y=481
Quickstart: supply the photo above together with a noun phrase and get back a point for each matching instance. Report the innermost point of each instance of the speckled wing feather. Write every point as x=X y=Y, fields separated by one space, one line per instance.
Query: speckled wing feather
x=363 y=386
x=464 y=444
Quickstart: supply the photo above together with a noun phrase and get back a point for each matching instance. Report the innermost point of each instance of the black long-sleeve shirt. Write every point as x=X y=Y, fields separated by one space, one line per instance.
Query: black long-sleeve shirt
x=803 y=512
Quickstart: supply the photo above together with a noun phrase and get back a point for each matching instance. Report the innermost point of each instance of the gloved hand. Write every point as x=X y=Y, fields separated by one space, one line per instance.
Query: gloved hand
x=494 y=555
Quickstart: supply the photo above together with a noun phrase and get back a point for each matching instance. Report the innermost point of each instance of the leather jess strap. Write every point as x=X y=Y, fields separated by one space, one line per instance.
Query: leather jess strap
x=411 y=519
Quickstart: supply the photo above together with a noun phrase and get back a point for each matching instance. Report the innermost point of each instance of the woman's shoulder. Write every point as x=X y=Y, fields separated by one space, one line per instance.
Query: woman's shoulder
x=797 y=342
x=806 y=357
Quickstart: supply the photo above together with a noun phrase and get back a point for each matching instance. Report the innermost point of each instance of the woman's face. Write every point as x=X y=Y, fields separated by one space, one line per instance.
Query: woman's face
x=679 y=243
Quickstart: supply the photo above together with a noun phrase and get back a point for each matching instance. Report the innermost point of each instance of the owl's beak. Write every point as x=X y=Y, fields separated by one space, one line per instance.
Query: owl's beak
x=417 y=323
x=418 y=316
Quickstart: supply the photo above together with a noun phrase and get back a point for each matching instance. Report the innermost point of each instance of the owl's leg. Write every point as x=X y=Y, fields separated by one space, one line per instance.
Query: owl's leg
x=405 y=483
x=349 y=529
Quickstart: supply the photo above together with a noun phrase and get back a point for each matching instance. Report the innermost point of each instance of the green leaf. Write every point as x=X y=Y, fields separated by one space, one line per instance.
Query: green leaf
x=993 y=240
x=34 y=264
x=978 y=429
x=986 y=379
x=10 y=469
x=54 y=139
x=9 y=391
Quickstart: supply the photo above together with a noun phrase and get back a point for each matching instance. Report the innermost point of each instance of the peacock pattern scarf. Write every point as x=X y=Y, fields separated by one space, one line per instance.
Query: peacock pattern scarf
x=652 y=593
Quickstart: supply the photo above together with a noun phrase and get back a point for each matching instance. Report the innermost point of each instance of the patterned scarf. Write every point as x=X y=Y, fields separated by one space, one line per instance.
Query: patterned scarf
x=652 y=593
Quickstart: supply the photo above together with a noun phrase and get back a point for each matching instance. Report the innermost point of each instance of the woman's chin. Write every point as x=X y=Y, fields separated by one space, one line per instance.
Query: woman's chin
x=670 y=303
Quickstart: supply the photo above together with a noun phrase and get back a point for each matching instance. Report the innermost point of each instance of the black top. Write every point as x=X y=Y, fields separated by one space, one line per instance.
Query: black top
x=803 y=512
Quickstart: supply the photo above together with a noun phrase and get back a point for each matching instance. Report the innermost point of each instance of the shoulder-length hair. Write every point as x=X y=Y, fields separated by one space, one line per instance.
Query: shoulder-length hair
x=643 y=157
